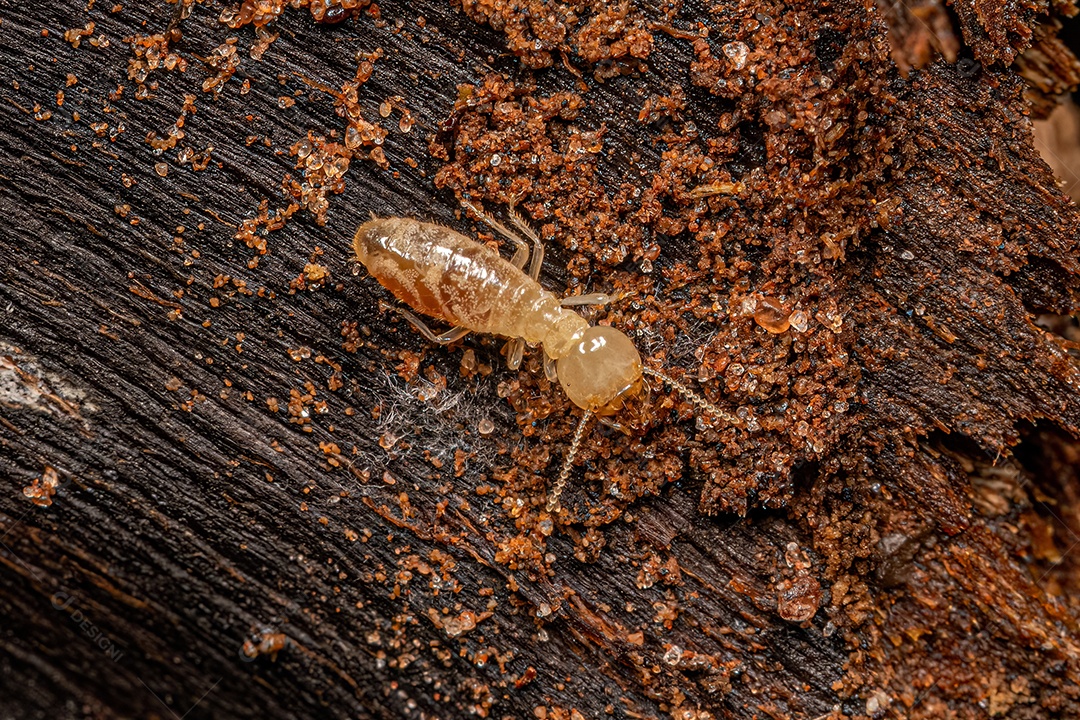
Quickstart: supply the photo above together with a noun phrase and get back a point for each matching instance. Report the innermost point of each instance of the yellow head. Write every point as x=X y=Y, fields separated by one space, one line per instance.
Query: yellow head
x=601 y=371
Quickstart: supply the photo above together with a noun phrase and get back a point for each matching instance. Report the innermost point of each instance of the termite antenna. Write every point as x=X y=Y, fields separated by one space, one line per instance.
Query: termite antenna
x=564 y=474
x=693 y=397
x=488 y=219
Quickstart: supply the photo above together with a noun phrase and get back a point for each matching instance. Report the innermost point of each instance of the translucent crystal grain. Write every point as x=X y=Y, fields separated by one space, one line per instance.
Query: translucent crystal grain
x=771 y=315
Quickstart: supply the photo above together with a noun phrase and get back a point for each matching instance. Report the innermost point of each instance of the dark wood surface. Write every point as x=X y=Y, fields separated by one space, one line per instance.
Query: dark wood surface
x=892 y=536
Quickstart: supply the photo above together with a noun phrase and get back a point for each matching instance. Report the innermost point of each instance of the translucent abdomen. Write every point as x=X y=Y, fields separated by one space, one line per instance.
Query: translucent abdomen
x=443 y=274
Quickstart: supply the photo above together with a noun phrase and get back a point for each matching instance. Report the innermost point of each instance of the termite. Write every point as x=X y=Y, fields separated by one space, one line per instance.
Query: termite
x=445 y=275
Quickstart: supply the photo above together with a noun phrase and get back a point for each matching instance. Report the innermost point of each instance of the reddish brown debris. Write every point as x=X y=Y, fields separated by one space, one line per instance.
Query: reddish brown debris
x=263 y=12
x=264 y=641
x=41 y=490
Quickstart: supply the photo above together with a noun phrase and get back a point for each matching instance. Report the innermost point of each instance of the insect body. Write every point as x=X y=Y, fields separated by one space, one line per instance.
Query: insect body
x=445 y=275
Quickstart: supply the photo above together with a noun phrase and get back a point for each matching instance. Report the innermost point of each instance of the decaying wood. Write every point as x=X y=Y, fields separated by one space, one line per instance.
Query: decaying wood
x=234 y=487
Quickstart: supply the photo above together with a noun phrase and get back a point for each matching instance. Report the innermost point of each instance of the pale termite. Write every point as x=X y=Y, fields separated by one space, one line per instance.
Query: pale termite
x=443 y=274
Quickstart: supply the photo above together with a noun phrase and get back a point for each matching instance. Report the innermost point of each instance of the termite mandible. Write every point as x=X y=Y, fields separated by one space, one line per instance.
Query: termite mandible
x=448 y=276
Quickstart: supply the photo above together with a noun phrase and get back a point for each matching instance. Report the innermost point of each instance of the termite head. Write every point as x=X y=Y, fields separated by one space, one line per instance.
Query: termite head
x=601 y=371
x=599 y=374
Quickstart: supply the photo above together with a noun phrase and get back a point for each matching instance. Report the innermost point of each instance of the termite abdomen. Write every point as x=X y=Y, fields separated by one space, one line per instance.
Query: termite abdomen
x=441 y=273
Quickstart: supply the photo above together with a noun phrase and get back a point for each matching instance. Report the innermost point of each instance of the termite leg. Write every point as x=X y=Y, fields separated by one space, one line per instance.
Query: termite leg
x=549 y=368
x=646 y=393
x=586 y=299
x=538 y=246
x=515 y=349
x=564 y=473
x=521 y=254
x=451 y=335
x=614 y=425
